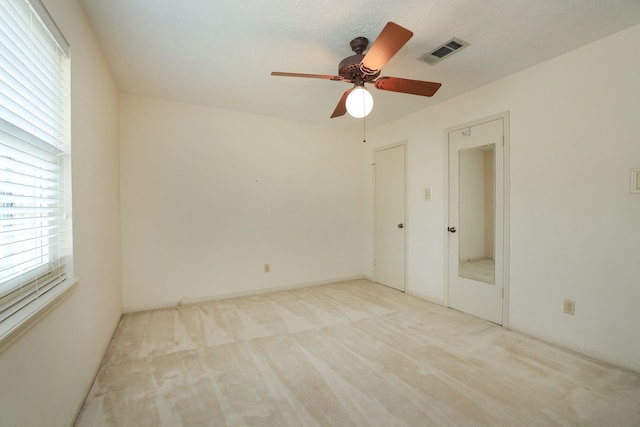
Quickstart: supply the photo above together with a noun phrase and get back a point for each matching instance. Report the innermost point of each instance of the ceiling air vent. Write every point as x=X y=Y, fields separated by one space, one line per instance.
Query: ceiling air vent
x=443 y=51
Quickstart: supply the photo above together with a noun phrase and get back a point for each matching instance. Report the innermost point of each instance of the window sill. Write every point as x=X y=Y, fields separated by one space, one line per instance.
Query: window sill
x=20 y=322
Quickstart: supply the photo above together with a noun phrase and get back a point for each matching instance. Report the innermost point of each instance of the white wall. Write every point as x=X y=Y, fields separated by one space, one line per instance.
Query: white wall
x=46 y=373
x=209 y=196
x=574 y=224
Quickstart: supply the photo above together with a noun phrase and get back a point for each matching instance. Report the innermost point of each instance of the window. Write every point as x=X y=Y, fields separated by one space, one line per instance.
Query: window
x=34 y=163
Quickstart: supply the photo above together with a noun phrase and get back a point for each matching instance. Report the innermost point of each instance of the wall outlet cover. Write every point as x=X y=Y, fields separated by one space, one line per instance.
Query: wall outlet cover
x=570 y=307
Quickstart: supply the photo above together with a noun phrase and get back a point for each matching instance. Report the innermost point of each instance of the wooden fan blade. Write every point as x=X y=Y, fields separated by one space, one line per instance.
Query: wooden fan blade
x=341 y=108
x=414 y=87
x=309 y=76
x=388 y=43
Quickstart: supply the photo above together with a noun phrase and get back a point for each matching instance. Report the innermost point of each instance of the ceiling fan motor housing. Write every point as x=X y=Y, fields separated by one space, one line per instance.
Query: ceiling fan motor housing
x=350 y=70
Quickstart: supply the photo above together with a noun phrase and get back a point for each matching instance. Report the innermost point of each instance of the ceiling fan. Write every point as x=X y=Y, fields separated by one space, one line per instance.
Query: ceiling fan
x=365 y=68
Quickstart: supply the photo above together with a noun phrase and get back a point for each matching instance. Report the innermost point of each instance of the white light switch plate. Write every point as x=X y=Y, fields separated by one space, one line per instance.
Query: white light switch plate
x=635 y=181
x=427 y=193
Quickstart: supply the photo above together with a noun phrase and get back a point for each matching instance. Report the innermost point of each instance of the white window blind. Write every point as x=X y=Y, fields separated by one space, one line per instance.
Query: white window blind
x=34 y=155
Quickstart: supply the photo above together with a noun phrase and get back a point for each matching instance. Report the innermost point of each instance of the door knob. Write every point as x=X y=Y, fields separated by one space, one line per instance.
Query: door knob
x=451 y=229
x=401 y=225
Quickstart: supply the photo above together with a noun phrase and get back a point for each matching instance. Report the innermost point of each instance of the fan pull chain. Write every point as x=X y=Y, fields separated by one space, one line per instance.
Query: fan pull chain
x=364 y=127
x=364 y=131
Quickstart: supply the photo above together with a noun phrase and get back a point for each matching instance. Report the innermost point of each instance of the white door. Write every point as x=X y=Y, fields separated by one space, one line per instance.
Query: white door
x=389 y=261
x=476 y=220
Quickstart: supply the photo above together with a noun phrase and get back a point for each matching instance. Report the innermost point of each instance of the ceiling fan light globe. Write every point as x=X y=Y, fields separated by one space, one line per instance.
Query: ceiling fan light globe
x=359 y=102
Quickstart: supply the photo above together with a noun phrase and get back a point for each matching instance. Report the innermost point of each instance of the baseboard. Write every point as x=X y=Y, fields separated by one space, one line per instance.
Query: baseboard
x=594 y=354
x=197 y=300
x=415 y=294
x=426 y=298
x=95 y=374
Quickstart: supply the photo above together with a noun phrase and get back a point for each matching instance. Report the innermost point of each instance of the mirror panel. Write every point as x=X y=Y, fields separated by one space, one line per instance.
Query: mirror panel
x=477 y=213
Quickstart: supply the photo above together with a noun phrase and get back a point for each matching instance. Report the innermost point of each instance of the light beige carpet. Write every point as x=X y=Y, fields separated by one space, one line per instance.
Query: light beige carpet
x=346 y=354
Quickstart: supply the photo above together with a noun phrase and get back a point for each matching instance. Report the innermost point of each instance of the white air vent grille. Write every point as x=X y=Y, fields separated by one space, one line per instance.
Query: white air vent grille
x=444 y=50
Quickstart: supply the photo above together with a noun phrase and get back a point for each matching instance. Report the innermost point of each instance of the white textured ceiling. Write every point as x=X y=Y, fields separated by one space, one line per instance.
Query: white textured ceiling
x=221 y=52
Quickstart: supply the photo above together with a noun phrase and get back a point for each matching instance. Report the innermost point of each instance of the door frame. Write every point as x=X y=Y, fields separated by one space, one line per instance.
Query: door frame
x=404 y=144
x=506 y=208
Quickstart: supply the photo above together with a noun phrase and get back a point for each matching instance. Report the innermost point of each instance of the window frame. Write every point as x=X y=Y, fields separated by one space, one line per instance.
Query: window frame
x=32 y=305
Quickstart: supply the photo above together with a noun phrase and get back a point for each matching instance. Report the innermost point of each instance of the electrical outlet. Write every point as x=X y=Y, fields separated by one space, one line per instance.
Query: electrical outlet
x=267 y=268
x=570 y=307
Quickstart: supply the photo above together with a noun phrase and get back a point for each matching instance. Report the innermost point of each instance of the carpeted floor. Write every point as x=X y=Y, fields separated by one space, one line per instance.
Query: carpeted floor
x=346 y=354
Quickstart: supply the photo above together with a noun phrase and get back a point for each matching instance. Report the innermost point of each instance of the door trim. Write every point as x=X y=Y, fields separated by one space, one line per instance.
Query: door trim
x=506 y=208
x=405 y=287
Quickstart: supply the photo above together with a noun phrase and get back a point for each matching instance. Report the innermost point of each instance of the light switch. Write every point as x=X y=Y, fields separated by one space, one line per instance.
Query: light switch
x=427 y=193
x=635 y=180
